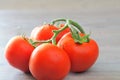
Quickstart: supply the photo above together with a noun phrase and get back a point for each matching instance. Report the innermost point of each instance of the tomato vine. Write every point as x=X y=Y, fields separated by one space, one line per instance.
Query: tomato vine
x=75 y=30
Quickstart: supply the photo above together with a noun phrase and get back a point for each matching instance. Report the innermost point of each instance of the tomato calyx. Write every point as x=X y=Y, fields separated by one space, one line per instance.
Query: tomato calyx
x=75 y=30
x=78 y=38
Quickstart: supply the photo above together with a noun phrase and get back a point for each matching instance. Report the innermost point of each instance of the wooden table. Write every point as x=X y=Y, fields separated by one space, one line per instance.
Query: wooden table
x=104 y=23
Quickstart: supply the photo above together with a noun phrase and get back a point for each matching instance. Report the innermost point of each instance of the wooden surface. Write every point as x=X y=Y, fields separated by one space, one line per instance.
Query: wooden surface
x=101 y=17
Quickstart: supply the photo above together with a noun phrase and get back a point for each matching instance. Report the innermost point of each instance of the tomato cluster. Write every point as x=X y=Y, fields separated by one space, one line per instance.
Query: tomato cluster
x=52 y=51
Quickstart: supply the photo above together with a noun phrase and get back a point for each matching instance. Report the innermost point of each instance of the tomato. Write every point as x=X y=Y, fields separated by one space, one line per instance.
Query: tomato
x=59 y=36
x=18 y=52
x=82 y=56
x=45 y=32
x=34 y=33
x=48 y=62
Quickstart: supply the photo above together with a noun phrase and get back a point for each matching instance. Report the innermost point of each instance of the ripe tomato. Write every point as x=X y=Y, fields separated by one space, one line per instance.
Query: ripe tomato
x=82 y=56
x=17 y=53
x=34 y=33
x=59 y=36
x=45 y=32
x=48 y=62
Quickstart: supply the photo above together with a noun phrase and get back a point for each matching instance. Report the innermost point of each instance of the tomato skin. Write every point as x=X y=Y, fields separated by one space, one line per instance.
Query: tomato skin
x=59 y=36
x=43 y=33
x=34 y=33
x=17 y=53
x=82 y=56
x=48 y=62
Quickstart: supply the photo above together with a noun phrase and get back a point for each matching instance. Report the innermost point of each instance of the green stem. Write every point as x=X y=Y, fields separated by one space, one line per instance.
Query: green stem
x=74 y=30
x=56 y=32
x=57 y=20
x=77 y=26
x=53 y=39
x=75 y=33
x=71 y=22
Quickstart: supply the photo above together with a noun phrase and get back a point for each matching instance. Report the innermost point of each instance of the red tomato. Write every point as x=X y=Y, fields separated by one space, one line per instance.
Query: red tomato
x=45 y=32
x=34 y=33
x=82 y=56
x=59 y=36
x=17 y=53
x=48 y=62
